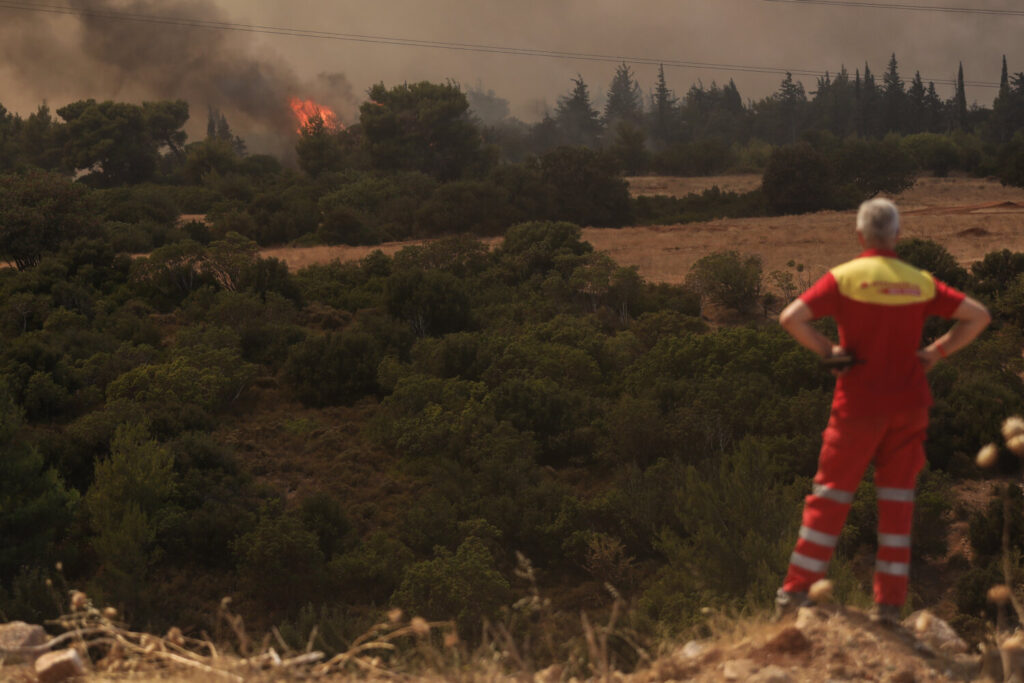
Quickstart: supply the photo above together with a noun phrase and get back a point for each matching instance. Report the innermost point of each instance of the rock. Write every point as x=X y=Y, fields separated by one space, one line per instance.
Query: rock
x=692 y=649
x=18 y=635
x=54 y=667
x=934 y=632
x=552 y=674
x=807 y=618
x=738 y=669
x=789 y=640
x=771 y=674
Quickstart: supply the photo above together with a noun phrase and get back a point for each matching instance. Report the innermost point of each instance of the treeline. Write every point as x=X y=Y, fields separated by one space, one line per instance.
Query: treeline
x=711 y=129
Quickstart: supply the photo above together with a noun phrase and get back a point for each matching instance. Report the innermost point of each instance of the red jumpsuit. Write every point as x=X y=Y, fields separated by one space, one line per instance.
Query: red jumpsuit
x=879 y=413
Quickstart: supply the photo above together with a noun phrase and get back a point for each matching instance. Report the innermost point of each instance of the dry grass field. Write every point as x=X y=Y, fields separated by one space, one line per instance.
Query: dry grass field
x=958 y=213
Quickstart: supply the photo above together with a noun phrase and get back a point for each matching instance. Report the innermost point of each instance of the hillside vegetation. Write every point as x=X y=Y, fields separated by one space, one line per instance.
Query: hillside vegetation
x=325 y=443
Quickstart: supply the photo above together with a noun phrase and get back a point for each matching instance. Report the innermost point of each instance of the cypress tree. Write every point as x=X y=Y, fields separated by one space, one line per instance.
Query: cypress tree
x=960 y=101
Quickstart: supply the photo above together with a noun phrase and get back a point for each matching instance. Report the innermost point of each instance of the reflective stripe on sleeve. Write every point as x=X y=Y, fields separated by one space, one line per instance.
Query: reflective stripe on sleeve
x=837 y=495
x=894 y=540
x=897 y=495
x=808 y=563
x=894 y=568
x=819 y=537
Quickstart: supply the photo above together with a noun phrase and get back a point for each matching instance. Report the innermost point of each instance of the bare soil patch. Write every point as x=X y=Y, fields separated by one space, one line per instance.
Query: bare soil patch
x=969 y=216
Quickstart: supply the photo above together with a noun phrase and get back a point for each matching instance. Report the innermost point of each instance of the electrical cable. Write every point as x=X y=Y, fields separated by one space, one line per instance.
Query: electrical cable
x=906 y=7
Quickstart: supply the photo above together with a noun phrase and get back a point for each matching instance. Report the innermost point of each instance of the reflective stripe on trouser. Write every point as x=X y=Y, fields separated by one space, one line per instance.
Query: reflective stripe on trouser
x=896 y=445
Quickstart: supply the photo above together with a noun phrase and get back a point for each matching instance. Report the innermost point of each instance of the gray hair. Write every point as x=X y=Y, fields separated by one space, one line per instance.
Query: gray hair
x=878 y=220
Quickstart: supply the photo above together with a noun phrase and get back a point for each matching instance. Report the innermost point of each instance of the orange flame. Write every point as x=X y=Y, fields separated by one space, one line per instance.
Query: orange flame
x=307 y=110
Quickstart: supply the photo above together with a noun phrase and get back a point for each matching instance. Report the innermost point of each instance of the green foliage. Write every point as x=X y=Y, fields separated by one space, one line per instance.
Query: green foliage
x=476 y=207
x=334 y=368
x=934 y=258
x=120 y=142
x=126 y=509
x=465 y=586
x=728 y=279
x=797 y=179
x=422 y=127
x=35 y=507
x=39 y=211
x=431 y=302
x=280 y=561
x=708 y=205
x=586 y=188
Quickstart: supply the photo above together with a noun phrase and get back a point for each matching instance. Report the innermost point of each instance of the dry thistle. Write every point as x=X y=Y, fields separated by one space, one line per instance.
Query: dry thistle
x=79 y=601
x=821 y=591
x=1016 y=444
x=923 y=622
x=451 y=639
x=987 y=456
x=420 y=627
x=110 y=613
x=1012 y=426
x=999 y=594
x=1014 y=642
x=59 y=566
x=395 y=615
x=175 y=636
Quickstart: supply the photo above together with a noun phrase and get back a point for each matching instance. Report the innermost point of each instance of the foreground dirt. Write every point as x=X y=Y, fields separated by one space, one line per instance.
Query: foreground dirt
x=970 y=217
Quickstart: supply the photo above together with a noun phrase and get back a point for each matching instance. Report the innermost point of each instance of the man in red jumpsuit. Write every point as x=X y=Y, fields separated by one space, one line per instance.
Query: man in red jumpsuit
x=880 y=406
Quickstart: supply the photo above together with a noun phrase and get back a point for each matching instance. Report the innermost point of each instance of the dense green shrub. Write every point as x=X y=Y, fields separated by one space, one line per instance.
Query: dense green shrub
x=728 y=279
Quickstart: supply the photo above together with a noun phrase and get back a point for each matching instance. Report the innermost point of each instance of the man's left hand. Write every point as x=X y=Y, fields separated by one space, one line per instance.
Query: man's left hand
x=928 y=356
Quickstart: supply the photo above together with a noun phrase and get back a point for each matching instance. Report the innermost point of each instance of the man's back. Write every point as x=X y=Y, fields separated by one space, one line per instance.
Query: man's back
x=880 y=304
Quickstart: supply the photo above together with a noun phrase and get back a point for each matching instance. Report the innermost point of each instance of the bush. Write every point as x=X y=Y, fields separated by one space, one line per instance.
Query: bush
x=728 y=279
x=933 y=152
x=464 y=586
x=934 y=258
x=432 y=302
x=586 y=188
x=335 y=368
x=468 y=206
x=798 y=179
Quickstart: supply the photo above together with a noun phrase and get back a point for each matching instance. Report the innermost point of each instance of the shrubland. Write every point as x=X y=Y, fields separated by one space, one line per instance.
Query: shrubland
x=197 y=422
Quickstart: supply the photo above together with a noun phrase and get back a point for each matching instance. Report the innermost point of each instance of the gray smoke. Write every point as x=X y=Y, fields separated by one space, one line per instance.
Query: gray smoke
x=61 y=58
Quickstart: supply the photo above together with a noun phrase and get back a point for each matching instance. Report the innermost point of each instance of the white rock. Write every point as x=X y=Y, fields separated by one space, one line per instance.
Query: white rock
x=807 y=618
x=771 y=674
x=54 y=667
x=934 y=632
x=738 y=669
x=692 y=649
x=18 y=635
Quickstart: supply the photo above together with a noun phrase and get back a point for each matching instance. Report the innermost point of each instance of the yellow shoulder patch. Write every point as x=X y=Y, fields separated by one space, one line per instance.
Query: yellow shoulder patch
x=884 y=281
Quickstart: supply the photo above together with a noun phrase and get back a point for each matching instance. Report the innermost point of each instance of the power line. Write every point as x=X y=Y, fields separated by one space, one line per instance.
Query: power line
x=906 y=7
x=187 y=22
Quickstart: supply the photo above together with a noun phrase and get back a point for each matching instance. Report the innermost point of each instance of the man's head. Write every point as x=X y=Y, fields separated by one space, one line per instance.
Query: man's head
x=878 y=223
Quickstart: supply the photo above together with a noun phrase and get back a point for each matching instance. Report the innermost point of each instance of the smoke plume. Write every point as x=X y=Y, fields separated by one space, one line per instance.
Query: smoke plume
x=99 y=52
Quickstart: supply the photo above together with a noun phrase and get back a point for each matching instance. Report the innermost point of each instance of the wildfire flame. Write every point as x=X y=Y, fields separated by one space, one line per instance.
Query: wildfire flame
x=307 y=110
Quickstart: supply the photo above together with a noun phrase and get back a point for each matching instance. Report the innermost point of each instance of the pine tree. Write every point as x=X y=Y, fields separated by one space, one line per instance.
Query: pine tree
x=664 y=111
x=893 y=99
x=624 y=99
x=577 y=120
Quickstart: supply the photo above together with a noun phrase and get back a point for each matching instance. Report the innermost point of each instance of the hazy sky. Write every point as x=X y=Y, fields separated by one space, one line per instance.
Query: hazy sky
x=60 y=58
